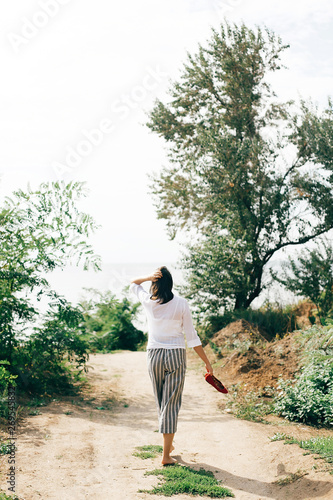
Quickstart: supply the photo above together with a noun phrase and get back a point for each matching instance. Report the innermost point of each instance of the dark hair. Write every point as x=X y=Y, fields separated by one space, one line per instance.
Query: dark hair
x=161 y=289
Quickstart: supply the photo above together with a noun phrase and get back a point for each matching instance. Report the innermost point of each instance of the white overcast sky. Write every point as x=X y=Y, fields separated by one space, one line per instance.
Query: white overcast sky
x=92 y=62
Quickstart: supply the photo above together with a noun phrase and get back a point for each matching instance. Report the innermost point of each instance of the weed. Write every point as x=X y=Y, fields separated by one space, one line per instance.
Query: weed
x=291 y=478
x=37 y=402
x=322 y=446
x=179 y=479
x=4 y=496
x=148 y=451
x=284 y=437
x=34 y=412
x=249 y=405
x=6 y=448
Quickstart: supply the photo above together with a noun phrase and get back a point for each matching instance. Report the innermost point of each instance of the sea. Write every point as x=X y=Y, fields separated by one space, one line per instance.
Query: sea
x=74 y=283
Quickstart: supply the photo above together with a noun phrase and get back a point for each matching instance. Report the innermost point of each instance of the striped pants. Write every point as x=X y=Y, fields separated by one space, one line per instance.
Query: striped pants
x=167 y=369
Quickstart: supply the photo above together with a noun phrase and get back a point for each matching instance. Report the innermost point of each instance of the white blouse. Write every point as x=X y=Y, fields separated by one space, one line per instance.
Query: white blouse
x=167 y=322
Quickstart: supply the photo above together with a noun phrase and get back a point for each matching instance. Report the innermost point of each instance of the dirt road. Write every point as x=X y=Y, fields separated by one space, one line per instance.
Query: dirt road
x=74 y=451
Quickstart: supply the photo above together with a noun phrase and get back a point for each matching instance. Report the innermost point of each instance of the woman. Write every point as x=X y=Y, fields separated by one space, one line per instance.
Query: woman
x=168 y=317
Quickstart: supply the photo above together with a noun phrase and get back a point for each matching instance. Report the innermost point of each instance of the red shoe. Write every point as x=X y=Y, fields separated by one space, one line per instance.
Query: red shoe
x=211 y=379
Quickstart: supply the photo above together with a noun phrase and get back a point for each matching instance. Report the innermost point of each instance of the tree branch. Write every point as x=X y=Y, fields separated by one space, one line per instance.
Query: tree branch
x=301 y=241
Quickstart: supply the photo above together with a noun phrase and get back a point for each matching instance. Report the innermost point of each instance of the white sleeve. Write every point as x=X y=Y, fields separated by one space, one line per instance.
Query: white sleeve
x=192 y=337
x=139 y=291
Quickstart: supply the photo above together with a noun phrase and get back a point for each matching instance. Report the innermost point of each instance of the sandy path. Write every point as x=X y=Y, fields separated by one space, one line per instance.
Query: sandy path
x=88 y=453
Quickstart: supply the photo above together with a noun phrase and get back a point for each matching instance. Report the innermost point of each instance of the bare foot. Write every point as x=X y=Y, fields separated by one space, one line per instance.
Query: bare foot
x=168 y=461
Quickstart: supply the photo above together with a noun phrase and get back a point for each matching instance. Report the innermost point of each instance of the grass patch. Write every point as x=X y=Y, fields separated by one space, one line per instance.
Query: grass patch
x=178 y=479
x=322 y=446
x=249 y=405
x=148 y=451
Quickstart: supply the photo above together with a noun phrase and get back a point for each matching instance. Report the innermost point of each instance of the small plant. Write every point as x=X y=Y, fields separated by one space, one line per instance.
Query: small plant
x=283 y=437
x=148 y=451
x=4 y=496
x=34 y=412
x=5 y=448
x=322 y=446
x=249 y=405
x=179 y=479
x=290 y=478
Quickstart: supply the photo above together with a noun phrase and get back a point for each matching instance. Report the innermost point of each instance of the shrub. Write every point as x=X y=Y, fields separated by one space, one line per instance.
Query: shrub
x=6 y=378
x=54 y=355
x=273 y=320
x=108 y=323
x=310 y=399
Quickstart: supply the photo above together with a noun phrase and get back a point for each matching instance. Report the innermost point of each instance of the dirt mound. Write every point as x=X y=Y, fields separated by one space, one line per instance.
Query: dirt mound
x=239 y=331
x=248 y=358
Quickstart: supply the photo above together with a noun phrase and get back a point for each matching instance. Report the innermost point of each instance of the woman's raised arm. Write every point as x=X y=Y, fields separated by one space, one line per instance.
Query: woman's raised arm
x=152 y=277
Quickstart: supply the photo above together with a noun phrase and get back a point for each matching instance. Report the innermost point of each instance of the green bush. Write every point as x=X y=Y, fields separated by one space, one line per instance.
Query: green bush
x=310 y=399
x=52 y=358
x=108 y=323
x=6 y=378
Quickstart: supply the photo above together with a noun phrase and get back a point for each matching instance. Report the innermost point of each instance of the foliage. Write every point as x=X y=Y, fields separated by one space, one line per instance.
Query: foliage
x=108 y=323
x=316 y=344
x=54 y=355
x=310 y=399
x=290 y=478
x=40 y=230
x=148 y=451
x=322 y=446
x=5 y=496
x=6 y=379
x=249 y=405
x=312 y=276
x=179 y=479
x=273 y=319
x=242 y=165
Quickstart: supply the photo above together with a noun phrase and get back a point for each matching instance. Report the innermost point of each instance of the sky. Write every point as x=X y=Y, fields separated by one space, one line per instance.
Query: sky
x=79 y=77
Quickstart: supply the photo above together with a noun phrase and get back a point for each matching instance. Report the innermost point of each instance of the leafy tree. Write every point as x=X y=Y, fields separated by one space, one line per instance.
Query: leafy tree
x=248 y=175
x=311 y=275
x=108 y=322
x=39 y=230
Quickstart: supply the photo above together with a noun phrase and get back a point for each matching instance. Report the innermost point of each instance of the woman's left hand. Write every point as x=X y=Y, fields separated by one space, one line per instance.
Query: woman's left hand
x=155 y=276
x=209 y=369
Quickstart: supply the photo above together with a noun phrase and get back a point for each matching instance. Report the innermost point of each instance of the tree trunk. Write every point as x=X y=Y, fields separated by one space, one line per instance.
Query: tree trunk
x=243 y=301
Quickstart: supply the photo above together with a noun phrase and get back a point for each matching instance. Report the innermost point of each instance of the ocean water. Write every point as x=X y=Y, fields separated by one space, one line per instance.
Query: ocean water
x=72 y=282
